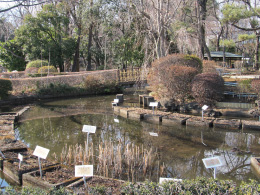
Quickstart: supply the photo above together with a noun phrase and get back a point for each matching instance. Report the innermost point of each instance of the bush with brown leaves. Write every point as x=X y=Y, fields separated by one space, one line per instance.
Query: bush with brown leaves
x=170 y=77
x=207 y=88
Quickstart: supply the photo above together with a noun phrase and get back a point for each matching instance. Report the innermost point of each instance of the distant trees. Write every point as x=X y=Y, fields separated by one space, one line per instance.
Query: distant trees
x=244 y=15
x=207 y=88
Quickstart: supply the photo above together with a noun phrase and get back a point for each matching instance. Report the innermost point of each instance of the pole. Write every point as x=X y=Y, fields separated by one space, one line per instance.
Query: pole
x=215 y=172
x=87 y=145
x=40 y=166
x=20 y=164
x=153 y=110
x=85 y=182
x=202 y=116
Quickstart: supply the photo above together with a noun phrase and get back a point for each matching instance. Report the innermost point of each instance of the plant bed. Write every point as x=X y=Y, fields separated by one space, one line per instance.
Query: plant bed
x=124 y=111
x=117 y=109
x=97 y=185
x=234 y=124
x=29 y=163
x=250 y=125
x=175 y=118
x=6 y=134
x=197 y=121
x=9 y=144
x=53 y=176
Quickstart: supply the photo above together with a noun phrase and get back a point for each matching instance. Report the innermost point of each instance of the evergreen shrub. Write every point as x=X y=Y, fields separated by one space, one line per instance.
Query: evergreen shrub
x=5 y=87
x=47 y=69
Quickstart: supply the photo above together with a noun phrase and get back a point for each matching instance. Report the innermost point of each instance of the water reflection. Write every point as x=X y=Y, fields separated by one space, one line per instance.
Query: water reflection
x=180 y=148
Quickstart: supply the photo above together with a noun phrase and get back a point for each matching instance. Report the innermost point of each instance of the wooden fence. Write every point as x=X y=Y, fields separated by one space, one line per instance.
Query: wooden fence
x=131 y=75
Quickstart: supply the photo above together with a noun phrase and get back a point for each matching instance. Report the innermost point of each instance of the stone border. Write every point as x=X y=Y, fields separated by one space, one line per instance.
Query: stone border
x=170 y=119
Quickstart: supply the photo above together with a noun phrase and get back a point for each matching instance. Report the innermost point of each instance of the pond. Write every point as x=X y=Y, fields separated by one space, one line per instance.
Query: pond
x=176 y=152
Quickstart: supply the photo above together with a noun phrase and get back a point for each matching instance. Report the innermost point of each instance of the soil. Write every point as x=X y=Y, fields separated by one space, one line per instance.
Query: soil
x=56 y=175
x=29 y=160
x=111 y=186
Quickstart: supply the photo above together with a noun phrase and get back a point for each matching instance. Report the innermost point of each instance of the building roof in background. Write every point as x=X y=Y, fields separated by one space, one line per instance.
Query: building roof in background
x=219 y=54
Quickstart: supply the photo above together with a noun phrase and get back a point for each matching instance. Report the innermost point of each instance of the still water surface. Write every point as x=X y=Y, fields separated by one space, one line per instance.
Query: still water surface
x=181 y=149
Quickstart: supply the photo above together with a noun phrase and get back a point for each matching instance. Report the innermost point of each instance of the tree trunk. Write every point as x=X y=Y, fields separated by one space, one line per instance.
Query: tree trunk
x=90 y=34
x=75 y=67
x=257 y=51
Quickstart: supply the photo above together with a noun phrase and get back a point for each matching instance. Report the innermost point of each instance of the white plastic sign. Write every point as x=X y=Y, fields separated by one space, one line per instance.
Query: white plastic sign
x=205 y=107
x=153 y=104
x=41 y=152
x=89 y=129
x=116 y=120
x=162 y=179
x=212 y=162
x=20 y=157
x=83 y=170
x=153 y=134
x=116 y=100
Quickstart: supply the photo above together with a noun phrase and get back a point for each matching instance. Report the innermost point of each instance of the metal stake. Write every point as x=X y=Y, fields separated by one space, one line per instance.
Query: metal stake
x=215 y=172
x=87 y=145
x=202 y=116
x=85 y=183
x=40 y=166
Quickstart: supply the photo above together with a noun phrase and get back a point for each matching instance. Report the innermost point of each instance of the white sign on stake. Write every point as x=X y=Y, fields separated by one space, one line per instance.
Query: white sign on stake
x=20 y=157
x=212 y=162
x=41 y=152
x=83 y=170
x=116 y=100
x=89 y=129
x=205 y=107
x=153 y=104
x=153 y=134
x=116 y=120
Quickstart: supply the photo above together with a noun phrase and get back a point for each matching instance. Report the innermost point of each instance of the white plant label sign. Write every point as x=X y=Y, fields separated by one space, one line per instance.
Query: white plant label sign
x=83 y=170
x=116 y=120
x=212 y=162
x=205 y=107
x=153 y=104
x=20 y=157
x=116 y=100
x=41 y=152
x=89 y=129
x=153 y=134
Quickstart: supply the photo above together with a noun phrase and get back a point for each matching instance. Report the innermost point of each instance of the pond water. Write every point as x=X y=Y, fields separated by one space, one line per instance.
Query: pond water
x=177 y=152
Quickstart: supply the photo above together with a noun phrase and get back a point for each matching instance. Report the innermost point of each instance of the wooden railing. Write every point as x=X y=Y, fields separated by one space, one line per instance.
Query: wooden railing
x=131 y=75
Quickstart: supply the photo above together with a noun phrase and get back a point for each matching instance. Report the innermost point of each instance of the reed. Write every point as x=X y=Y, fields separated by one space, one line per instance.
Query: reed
x=113 y=160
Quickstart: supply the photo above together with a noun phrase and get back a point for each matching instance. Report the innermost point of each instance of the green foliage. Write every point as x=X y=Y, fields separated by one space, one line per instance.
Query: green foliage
x=97 y=190
x=11 y=56
x=244 y=37
x=47 y=69
x=228 y=43
x=244 y=86
x=233 y=13
x=37 y=64
x=35 y=191
x=59 y=89
x=45 y=35
x=5 y=88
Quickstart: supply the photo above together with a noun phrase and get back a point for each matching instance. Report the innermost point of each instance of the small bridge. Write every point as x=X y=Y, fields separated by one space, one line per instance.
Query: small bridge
x=132 y=76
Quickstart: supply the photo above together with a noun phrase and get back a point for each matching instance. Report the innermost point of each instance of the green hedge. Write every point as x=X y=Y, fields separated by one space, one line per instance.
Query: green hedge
x=37 y=64
x=5 y=87
x=47 y=69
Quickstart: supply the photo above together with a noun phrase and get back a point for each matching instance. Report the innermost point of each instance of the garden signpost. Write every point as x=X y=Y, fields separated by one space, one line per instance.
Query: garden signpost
x=212 y=162
x=153 y=104
x=205 y=107
x=84 y=171
x=88 y=129
x=41 y=153
x=20 y=157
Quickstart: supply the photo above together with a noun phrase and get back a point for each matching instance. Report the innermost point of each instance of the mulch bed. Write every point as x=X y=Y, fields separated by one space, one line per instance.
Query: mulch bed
x=96 y=183
x=55 y=175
